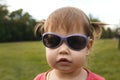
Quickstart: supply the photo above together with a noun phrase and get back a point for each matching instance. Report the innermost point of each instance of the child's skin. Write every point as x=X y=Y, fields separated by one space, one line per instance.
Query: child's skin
x=72 y=68
x=67 y=63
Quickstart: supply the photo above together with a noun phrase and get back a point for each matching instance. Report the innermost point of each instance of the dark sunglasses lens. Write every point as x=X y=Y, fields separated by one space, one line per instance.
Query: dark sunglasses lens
x=77 y=42
x=51 y=40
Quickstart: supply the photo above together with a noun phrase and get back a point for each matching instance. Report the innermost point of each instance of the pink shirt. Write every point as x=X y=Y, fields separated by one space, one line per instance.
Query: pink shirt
x=91 y=76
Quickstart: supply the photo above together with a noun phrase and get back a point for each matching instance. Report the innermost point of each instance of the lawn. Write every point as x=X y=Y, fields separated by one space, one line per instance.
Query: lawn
x=24 y=60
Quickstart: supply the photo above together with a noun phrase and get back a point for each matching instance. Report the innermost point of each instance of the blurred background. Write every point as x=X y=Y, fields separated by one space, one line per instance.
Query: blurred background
x=18 y=18
x=22 y=55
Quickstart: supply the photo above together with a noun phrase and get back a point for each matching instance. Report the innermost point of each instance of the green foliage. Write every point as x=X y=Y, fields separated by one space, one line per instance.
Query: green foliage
x=24 y=60
x=16 y=26
x=3 y=12
x=19 y=25
x=93 y=19
x=108 y=33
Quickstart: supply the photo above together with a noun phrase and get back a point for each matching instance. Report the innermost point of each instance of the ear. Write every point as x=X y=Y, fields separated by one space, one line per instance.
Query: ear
x=89 y=46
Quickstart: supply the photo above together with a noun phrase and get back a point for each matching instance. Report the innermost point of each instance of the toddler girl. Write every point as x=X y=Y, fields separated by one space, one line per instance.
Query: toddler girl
x=68 y=37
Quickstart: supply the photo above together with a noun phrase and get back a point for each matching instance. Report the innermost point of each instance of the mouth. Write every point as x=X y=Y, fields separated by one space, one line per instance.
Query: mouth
x=64 y=61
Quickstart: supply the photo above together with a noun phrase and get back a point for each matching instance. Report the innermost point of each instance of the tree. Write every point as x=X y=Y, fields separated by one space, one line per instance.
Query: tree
x=22 y=24
x=110 y=33
x=3 y=12
x=16 y=26
x=104 y=33
x=93 y=19
x=3 y=20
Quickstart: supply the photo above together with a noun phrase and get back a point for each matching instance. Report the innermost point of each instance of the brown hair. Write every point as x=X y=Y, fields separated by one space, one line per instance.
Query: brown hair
x=68 y=19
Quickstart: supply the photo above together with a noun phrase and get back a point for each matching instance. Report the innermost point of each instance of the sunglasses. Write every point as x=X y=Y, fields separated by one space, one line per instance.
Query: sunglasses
x=74 y=41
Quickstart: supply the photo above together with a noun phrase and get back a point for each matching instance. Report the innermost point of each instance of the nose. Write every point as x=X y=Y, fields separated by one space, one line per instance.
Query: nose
x=64 y=49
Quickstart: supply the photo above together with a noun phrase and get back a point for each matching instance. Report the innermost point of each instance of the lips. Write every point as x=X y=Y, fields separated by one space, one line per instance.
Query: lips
x=64 y=61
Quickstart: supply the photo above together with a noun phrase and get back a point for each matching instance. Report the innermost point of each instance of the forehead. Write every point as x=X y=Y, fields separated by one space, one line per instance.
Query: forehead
x=63 y=32
x=65 y=26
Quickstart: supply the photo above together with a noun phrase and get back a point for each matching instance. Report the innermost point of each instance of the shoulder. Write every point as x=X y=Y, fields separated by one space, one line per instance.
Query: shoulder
x=93 y=76
x=41 y=76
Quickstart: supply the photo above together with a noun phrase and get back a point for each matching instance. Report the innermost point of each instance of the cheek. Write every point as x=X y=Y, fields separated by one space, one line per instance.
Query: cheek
x=50 y=56
x=80 y=57
x=79 y=60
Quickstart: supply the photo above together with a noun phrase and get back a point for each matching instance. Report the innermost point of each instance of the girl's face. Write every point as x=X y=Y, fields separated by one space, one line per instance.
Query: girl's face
x=65 y=59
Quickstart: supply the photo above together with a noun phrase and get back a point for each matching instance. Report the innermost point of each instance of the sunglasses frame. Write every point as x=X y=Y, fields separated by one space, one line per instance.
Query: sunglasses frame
x=64 y=39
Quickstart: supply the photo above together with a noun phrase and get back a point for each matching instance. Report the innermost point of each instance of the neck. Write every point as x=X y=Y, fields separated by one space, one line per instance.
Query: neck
x=80 y=74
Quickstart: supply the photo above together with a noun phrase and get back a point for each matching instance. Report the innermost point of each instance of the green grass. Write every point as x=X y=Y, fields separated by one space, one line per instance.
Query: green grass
x=106 y=59
x=21 y=60
x=24 y=60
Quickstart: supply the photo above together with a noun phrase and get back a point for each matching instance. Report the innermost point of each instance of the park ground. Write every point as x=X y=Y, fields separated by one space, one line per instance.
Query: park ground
x=24 y=60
